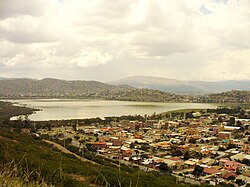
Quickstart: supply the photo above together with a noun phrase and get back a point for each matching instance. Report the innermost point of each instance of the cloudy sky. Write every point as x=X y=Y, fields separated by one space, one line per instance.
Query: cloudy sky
x=111 y=39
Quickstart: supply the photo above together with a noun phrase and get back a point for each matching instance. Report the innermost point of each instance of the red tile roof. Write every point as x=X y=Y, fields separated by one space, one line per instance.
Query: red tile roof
x=210 y=170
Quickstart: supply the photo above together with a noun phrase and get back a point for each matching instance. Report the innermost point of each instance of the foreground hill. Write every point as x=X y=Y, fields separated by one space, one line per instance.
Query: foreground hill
x=177 y=86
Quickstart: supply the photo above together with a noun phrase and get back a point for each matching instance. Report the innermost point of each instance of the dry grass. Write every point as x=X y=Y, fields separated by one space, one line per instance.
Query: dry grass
x=12 y=176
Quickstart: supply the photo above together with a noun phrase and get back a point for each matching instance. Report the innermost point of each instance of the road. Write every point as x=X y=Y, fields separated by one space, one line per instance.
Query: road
x=66 y=151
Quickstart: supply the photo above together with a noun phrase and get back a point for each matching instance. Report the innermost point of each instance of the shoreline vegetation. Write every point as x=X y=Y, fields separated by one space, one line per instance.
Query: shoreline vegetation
x=140 y=95
x=21 y=111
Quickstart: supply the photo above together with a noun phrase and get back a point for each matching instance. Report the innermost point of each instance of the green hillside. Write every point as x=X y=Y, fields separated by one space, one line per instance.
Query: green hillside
x=234 y=96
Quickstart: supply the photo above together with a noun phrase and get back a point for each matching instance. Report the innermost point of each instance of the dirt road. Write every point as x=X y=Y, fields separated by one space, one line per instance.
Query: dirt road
x=66 y=151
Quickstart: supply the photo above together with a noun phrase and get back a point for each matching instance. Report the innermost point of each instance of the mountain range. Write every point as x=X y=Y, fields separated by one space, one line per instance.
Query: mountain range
x=49 y=88
x=53 y=87
x=146 y=89
x=178 y=86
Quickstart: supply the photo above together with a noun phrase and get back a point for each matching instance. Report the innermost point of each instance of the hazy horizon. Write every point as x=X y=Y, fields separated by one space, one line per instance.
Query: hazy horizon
x=123 y=78
x=120 y=78
x=206 y=40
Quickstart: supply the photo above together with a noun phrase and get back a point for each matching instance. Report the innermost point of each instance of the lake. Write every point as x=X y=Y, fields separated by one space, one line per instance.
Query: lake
x=57 y=109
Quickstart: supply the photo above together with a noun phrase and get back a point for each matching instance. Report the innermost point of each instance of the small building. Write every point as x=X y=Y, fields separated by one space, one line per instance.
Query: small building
x=100 y=145
x=210 y=170
x=191 y=131
x=232 y=166
x=224 y=135
x=189 y=164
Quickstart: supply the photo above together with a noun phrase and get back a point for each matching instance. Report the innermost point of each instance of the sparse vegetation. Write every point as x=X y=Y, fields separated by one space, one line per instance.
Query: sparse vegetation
x=12 y=175
x=7 y=110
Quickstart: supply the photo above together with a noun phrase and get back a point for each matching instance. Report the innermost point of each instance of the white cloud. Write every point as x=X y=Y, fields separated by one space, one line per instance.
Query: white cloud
x=16 y=8
x=88 y=59
x=232 y=65
x=151 y=37
x=27 y=29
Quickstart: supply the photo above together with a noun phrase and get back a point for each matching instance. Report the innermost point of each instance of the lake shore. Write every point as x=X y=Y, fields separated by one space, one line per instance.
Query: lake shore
x=65 y=109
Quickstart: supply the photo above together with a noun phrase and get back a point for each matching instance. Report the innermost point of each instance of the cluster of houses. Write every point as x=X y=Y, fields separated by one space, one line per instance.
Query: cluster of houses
x=208 y=148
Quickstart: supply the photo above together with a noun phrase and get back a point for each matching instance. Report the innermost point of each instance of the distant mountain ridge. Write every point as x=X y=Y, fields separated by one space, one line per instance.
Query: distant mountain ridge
x=55 y=88
x=177 y=86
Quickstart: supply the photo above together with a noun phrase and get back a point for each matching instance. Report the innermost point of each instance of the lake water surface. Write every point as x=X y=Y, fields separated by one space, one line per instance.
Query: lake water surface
x=57 y=109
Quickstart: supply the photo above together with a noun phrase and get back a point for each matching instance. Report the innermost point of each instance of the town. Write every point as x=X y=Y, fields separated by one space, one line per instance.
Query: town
x=197 y=147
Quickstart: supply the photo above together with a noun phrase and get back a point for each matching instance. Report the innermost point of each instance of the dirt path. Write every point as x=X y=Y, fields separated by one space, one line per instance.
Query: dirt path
x=66 y=151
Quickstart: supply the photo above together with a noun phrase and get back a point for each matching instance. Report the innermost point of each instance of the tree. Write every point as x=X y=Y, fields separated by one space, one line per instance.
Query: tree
x=154 y=150
x=246 y=162
x=198 y=155
x=231 y=146
x=90 y=147
x=186 y=155
x=238 y=123
x=74 y=126
x=242 y=113
x=67 y=141
x=132 y=145
x=48 y=126
x=189 y=115
x=144 y=147
x=216 y=155
x=77 y=137
x=182 y=143
x=240 y=182
x=176 y=152
x=197 y=171
x=82 y=141
x=231 y=121
x=231 y=178
x=192 y=140
x=221 y=148
x=6 y=122
x=97 y=138
x=164 y=167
